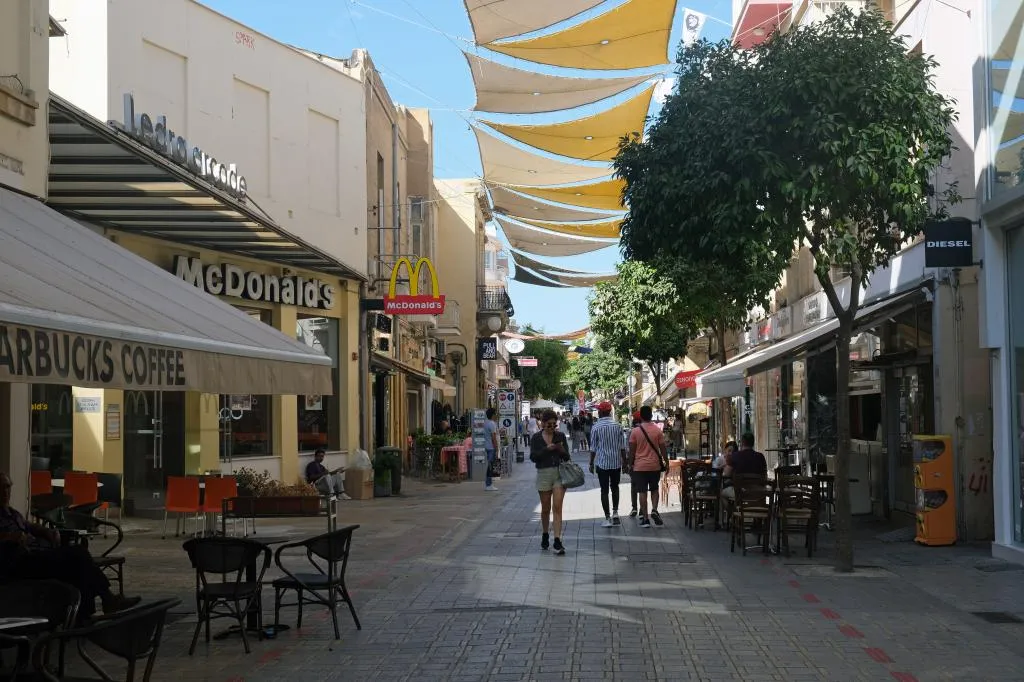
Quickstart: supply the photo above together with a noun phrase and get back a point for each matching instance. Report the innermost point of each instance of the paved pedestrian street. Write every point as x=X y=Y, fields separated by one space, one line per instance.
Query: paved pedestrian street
x=450 y=584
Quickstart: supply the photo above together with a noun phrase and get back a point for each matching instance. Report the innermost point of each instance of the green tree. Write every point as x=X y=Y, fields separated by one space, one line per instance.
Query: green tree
x=828 y=137
x=641 y=315
x=599 y=370
x=544 y=380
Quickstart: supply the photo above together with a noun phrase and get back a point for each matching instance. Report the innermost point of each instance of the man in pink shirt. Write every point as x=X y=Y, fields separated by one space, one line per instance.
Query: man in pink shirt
x=648 y=455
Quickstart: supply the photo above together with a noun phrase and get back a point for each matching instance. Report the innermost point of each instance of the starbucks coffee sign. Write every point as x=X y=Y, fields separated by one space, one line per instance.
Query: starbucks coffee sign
x=155 y=133
x=224 y=279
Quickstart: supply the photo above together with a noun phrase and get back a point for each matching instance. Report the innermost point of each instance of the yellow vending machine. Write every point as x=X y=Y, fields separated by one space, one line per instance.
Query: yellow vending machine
x=933 y=481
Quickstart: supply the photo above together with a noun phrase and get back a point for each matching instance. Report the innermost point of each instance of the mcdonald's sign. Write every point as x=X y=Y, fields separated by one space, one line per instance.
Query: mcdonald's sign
x=413 y=303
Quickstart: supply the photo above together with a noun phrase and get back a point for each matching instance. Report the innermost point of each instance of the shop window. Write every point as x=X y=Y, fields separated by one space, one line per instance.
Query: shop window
x=52 y=416
x=1006 y=163
x=249 y=432
x=1015 y=268
x=318 y=420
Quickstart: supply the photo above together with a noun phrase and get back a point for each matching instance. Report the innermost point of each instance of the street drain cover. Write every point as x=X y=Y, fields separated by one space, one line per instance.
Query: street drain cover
x=1000 y=567
x=997 y=617
x=661 y=558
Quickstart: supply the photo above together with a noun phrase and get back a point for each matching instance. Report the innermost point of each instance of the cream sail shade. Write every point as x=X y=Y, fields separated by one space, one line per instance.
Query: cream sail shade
x=594 y=138
x=495 y=19
x=522 y=260
x=503 y=89
x=505 y=164
x=604 y=195
x=527 y=277
x=511 y=203
x=90 y=313
x=584 y=280
x=605 y=230
x=545 y=243
x=631 y=36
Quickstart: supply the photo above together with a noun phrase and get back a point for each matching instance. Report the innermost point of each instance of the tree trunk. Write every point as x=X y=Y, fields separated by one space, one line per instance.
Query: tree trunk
x=724 y=406
x=655 y=368
x=843 y=517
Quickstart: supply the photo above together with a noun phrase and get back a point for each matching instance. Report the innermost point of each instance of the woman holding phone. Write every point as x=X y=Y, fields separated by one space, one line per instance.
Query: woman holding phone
x=548 y=449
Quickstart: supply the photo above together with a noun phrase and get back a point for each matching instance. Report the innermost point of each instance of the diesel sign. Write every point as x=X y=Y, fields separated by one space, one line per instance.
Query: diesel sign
x=231 y=280
x=948 y=243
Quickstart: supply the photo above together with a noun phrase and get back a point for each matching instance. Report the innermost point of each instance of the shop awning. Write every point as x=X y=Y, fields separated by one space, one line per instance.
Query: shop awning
x=100 y=175
x=389 y=364
x=77 y=309
x=730 y=381
x=441 y=385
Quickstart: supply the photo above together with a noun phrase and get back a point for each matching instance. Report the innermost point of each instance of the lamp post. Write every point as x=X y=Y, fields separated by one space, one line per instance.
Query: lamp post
x=461 y=360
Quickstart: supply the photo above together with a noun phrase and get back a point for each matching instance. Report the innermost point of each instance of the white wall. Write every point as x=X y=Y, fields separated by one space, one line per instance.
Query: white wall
x=295 y=128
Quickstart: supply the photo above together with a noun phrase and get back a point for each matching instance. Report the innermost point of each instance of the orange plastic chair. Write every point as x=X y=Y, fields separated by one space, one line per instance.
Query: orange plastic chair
x=182 y=498
x=218 y=489
x=40 y=483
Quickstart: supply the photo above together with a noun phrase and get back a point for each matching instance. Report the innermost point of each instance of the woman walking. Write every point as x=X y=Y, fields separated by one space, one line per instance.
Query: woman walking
x=548 y=449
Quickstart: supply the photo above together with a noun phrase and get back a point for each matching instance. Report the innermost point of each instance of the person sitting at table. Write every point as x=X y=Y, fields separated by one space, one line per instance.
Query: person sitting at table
x=316 y=469
x=745 y=461
x=30 y=551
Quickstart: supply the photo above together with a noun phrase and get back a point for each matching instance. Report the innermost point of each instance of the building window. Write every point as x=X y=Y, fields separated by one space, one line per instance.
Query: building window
x=489 y=260
x=416 y=222
x=52 y=416
x=1015 y=269
x=249 y=432
x=318 y=420
x=1005 y=110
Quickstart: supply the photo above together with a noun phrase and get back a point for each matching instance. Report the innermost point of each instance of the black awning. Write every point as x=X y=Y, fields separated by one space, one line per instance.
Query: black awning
x=100 y=175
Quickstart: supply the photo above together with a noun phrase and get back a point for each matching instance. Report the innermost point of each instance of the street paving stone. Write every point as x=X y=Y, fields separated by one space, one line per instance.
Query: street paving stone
x=450 y=584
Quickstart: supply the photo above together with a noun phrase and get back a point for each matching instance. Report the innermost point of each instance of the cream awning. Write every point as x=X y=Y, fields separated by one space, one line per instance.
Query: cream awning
x=503 y=89
x=631 y=36
x=513 y=204
x=495 y=19
x=593 y=138
x=82 y=311
x=605 y=230
x=605 y=195
x=545 y=243
x=506 y=164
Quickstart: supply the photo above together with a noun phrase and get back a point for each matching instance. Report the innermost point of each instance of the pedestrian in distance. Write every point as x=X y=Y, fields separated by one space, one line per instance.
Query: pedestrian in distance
x=548 y=449
x=491 y=447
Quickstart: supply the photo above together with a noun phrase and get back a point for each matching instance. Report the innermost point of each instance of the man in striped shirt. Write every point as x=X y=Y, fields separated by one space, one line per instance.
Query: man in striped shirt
x=608 y=453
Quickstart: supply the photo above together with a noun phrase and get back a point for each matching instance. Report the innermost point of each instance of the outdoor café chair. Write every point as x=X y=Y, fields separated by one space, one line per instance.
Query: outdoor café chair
x=132 y=635
x=234 y=596
x=326 y=586
x=55 y=601
x=751 y=512
x=182 y=498
x=110 y=563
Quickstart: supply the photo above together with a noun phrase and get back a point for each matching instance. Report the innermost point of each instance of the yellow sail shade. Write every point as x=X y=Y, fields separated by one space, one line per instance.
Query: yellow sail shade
x=494 y=19
x=604 y=230
x=506 y=164
x=604 y=195
x=546 y=243
x=594 y=138
x=507 y=201
x=631 y=36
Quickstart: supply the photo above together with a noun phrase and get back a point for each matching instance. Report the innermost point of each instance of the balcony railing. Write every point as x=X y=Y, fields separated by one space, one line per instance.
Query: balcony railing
x=494 y=300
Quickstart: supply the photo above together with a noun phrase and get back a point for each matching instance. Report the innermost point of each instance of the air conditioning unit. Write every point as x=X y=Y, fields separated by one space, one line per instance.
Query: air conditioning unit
x=441 y=347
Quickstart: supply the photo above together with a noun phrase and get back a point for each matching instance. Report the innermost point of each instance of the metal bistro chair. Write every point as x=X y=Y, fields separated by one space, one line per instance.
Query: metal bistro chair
x=110 y=563
x=133 y=635
x=53 y=600
x=324 y=587
x=234 y=596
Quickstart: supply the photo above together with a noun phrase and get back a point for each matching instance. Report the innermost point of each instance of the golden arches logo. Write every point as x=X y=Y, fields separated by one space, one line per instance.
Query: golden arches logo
x=413 y=303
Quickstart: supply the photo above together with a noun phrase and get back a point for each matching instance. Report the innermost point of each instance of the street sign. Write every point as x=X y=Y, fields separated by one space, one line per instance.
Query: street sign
x=506 y=423
x=527 y=361
x=684 y=380
x=948 y=243
x=506 y=402
x=514 y=346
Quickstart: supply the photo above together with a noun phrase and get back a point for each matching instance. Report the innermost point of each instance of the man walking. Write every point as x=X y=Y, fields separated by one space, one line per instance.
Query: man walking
x=607 y=456
x=648 y=453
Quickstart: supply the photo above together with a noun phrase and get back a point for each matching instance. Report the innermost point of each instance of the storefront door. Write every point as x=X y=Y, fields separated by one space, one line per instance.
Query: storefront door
x=911 y=409
x=153 y=446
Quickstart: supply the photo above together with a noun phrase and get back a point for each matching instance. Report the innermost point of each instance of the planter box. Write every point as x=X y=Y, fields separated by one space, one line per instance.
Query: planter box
x=269 y=507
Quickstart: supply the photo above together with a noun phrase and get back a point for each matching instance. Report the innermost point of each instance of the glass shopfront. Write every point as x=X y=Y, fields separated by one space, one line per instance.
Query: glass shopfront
x=318 y=419
x=1015 y=275
x=1006 y=96
x=248 y=430
x=52 y=417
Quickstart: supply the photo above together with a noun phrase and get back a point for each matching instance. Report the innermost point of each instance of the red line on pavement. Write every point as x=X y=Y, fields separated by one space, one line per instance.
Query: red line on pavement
x=878 y=655
x=812 y=599
x=766 y=562
x=830 y=614
x=904 y=677
x=851 y=631
x=794 y=583
x=272 y=655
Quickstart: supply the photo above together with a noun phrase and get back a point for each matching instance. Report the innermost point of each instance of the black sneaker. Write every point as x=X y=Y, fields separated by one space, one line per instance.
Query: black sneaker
x=544 y=544
x=632 y=513
x=645 y=522
x=559 y=549
x=656 y=517
x=615 y=519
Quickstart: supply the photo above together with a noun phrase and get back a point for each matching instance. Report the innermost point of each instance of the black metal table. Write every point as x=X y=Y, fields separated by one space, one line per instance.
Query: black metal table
x=252 y=618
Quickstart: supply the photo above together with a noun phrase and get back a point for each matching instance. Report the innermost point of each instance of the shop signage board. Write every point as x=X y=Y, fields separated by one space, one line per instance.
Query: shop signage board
x=155 y=133
x=88 y=405
x=487 y=349
x=413 y=303
x=948 y=243
x=527 y=361
x=479 y=440
x=514 y=346
x=685 y=380
x=230 y=280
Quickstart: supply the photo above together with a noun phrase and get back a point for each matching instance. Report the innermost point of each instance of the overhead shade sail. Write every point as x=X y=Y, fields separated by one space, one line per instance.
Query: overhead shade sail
x=545 y=243
x=82 y=311
x=506 y=164
x=522 y=260
x=632 y=36
x=503 y=89
x=604 y=195
x=594 y=138
x=508 y=202
x=605 y=230
x=526 y=277
x=729 y=381
x=573 y=278
x=585 y=280
x=568 y=336
x=495 y=19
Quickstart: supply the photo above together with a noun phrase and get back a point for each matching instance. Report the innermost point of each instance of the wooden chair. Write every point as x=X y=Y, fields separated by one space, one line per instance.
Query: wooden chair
x=688 y=473
x=182 y=498
x=798 y=510
x=751 y=511
x=40 y=483
x=705 y=498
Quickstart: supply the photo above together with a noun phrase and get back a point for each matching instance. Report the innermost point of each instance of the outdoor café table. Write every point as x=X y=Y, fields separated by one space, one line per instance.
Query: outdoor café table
x=16 y=623
x=453 y=461
x=59 y=483
x=828 y=495
x=252 y=620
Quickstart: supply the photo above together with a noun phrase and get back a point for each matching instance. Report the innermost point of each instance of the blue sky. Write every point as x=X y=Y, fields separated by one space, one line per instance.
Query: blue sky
x=417 y=46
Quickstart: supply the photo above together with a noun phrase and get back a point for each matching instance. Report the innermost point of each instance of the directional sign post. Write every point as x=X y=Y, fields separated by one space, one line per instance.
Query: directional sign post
x=525 y=361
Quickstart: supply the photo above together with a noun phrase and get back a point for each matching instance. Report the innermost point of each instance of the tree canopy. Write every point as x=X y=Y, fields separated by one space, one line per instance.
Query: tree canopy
x=544 y=380
x=599 y=370
x=641 y=315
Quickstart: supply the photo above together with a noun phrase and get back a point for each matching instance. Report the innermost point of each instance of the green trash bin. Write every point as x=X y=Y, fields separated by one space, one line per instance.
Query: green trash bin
x=390 y=458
